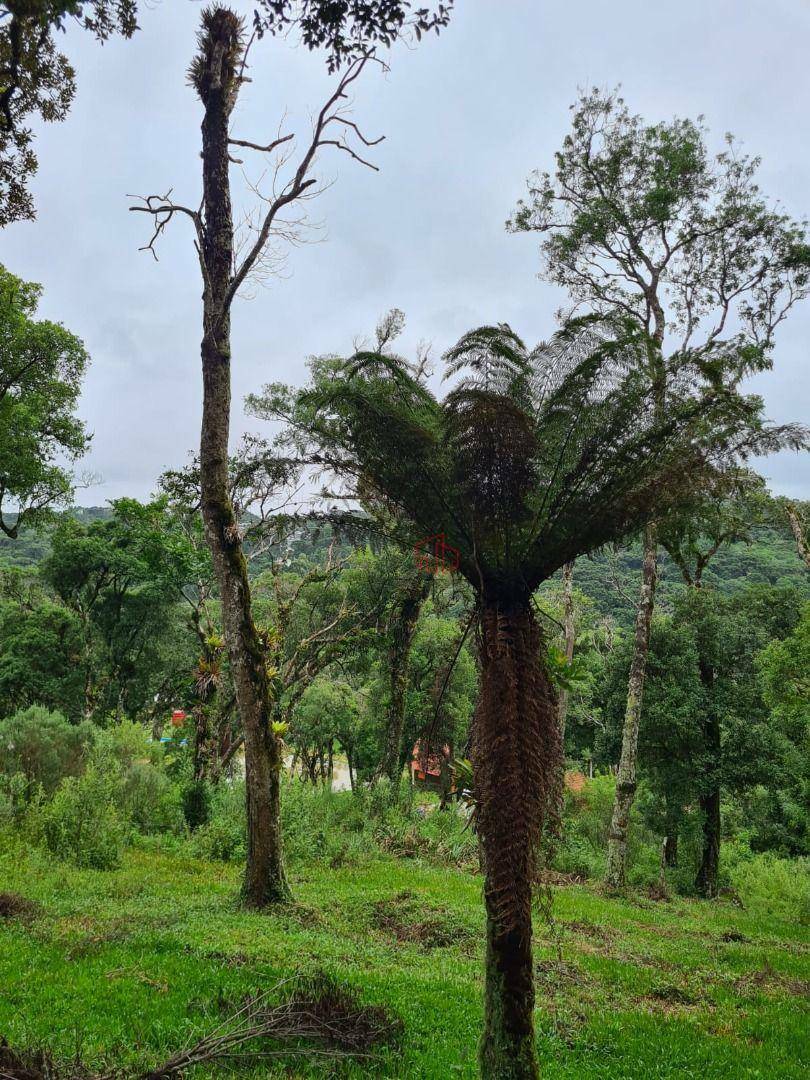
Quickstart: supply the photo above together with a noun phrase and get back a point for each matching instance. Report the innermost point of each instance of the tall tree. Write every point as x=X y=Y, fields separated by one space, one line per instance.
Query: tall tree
x=729 y=511
x=37 y=79
x=390 y=582
x=640 y=221
x=526 y=464
x=570 y=632
x=117 y=577
x=217 y=74
x=41 y=369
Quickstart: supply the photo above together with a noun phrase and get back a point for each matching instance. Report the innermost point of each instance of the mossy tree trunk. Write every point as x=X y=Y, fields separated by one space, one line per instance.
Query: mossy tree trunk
x=706 y=881
x=626 y=779
x=673 y=825
x=404 y=621
x=517 y=775
x=265 y=881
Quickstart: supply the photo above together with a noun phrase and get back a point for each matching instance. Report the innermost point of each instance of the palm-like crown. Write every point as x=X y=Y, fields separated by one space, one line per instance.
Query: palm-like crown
x=534 y=457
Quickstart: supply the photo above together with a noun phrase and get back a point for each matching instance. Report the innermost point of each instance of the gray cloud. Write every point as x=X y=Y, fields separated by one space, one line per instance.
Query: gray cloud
x=466 y=117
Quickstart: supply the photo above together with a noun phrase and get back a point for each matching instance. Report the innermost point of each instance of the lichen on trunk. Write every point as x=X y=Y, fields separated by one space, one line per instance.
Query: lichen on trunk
x=216 y=79
x=626 y=778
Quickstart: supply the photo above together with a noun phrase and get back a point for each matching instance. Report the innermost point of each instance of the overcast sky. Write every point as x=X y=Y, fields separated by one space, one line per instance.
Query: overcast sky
x=466 y=117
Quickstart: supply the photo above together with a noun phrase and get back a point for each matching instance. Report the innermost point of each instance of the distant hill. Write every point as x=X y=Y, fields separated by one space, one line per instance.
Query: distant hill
x=609 y=579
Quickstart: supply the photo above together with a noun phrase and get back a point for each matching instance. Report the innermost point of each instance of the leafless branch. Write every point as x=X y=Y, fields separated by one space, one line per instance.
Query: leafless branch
x=163 y=210
x=263 y=149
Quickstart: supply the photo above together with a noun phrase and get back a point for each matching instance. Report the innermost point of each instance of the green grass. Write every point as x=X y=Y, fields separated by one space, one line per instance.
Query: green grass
x=134 y=963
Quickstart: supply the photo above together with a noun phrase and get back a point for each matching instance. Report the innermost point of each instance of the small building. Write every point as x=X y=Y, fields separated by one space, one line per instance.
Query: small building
x=433 y=771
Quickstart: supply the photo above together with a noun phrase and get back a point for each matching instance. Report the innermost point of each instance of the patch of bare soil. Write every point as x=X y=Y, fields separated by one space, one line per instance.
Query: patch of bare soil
x=406 y=919
x=769 y=981
x=19 y=1066
x=671 y=1000
x=657 y=891
x=553 y=877
x=734 y=936
x=555 y=974
x=583 y=928
x=14 y=906
x=299 y=915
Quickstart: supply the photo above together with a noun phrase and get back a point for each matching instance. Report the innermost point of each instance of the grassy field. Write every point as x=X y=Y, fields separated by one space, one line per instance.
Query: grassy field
x=132 y=964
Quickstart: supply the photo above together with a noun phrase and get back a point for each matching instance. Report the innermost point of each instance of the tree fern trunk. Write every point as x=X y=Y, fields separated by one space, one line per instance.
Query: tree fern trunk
x=626 y=778
x=517 y=774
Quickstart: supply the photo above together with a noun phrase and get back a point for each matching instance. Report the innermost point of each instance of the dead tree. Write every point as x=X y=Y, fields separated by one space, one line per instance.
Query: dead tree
x=218 y=74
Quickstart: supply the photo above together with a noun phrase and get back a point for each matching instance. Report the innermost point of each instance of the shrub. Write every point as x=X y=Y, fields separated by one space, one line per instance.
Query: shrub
x=223 y=835
x=43 y=747
x=196 y=803
x=770 y=886
x=81 y=823
x=14 y=801
x=126 y=743
x=148 y=799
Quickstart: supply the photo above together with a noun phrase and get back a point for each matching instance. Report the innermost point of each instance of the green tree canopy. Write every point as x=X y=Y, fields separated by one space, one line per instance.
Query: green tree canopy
x=36 y=79
x=41 y=369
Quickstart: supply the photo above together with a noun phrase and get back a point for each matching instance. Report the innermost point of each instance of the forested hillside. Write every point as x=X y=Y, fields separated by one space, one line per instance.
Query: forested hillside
x=608 y=578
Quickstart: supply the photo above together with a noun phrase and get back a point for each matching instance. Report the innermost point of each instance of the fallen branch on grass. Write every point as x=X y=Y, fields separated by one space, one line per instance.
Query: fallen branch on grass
x=314 y=1011
x=314 y=1016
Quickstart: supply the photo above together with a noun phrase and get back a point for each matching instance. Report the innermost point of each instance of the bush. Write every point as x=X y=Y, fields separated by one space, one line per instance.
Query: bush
x=223 y=835
x=14 y=801
x=196 y=803
x=125 y=744
x=148 y=799
x=342 y=827
x=43 y=747
x=770 y=886
x=81 y=823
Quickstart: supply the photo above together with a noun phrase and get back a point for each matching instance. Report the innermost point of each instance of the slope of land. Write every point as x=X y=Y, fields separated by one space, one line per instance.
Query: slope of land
x=130 y=965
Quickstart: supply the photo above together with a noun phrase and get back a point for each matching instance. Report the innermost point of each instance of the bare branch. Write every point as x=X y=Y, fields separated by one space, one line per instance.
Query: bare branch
x=163 y=210
x=263 y=149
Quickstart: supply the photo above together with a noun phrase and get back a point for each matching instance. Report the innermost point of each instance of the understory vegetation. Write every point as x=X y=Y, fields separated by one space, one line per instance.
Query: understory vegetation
x=156 y=953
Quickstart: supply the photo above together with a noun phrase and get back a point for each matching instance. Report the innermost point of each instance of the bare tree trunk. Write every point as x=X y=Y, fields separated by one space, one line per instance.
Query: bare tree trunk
x=570 y=636
x=517 y=779
x=626 y=777
x=399 y=653
x=265 y=880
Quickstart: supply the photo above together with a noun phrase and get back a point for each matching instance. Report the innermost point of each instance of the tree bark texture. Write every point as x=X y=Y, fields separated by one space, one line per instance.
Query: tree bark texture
x=402 y=634
x=570 y=638
x=706 y=881
x=798 y=529
x=265 y=880
x=517 y=764
x=626 y=778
